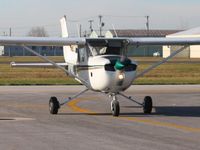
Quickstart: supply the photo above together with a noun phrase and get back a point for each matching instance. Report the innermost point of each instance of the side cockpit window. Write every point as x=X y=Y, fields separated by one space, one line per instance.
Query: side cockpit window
x=82 y=54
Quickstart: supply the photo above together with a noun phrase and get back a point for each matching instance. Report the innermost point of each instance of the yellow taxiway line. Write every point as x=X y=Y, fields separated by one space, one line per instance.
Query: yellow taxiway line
x=74 y=106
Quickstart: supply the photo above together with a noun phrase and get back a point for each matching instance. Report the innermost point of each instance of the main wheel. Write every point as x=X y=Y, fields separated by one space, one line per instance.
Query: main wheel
x=147 y=105
x=115 y=108
x=53 y=105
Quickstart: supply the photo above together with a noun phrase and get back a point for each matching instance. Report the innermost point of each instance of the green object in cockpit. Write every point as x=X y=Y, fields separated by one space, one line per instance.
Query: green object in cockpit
x=119 y=65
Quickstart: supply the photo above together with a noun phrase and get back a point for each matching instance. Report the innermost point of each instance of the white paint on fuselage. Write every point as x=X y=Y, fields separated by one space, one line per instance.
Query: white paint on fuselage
x=102 y=80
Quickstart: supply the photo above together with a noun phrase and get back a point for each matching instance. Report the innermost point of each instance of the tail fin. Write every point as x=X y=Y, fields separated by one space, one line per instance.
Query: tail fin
x=69 y=52
x=63 y=22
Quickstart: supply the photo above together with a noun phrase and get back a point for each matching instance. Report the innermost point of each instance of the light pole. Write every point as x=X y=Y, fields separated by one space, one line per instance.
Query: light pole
x=101 y=24
x=91 y=26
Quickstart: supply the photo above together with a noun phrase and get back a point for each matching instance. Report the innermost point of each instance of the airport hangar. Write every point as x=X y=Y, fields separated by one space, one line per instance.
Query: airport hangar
x=142 y=51
x=191 y=51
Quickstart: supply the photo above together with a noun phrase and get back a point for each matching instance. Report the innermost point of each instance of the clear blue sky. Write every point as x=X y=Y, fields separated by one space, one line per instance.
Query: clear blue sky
x=21 y=15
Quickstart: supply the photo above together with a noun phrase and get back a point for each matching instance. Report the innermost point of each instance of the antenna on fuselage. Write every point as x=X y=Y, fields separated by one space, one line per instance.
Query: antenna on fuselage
x=114 y=30
x=78 y=30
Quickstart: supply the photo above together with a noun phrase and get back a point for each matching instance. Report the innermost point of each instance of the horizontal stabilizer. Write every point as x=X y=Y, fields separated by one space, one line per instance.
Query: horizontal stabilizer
x=13 y=64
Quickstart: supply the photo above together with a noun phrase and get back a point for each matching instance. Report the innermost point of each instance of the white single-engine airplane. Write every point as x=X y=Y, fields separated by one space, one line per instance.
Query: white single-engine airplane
x=101 y=64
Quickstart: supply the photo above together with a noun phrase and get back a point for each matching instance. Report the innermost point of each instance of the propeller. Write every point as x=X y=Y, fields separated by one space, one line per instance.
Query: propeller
x=123 y=61
x=119 y=66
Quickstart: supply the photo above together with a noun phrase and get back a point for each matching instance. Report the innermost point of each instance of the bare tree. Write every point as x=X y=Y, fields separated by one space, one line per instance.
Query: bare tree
x=38 y=32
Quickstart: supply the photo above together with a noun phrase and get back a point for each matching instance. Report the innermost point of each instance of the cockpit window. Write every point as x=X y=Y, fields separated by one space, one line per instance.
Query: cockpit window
x=106 y=50
x=106 y=47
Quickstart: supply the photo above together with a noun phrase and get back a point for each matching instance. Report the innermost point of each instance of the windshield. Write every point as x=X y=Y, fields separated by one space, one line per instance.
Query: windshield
x=103 y=50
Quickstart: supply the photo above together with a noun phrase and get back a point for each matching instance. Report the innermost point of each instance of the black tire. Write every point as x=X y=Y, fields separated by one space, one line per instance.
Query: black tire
x=116 y=108
x=147 y=105
x=53 y=105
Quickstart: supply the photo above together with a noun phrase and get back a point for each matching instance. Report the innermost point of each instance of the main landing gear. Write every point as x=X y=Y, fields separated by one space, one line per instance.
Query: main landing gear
x=55 y=105
x=147 y=104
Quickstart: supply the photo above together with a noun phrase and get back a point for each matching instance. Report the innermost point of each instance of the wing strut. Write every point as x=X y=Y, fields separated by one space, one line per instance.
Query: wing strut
x=161 y=62
x=44 y=58
x=56 y=65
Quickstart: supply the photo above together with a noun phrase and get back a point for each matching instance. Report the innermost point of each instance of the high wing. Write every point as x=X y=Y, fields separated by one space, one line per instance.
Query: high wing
x=164 y=41
x=149 y=41
x=49 y=41
x=41 y=41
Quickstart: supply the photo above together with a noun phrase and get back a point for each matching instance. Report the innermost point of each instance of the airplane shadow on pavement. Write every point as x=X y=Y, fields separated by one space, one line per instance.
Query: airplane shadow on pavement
x=179 y=111
x=175 y=111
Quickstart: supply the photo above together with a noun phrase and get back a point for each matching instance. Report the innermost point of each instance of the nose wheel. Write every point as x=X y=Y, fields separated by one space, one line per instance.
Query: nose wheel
x=115 y=108
x=53 y=105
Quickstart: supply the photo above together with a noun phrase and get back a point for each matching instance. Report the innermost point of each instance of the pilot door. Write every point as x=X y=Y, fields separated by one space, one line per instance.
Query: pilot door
x=82 y=67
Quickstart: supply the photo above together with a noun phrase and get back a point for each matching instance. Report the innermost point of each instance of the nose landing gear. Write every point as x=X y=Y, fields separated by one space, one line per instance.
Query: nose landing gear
x=115 y=107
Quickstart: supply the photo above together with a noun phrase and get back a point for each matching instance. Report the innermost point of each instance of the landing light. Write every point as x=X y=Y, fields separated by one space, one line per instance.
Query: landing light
x=121 y=76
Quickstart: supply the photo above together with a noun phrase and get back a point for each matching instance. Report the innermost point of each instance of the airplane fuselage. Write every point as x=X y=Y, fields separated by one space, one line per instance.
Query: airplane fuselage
x=102 y=75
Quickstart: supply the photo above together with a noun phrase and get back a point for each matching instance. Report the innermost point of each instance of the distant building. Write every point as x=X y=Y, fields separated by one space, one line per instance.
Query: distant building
x=191 y=51
x=143 y=51
x=143 y=33
x=43 y=50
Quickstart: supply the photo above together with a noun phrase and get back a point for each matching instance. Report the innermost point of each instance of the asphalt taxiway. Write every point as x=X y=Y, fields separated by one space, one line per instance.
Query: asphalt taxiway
x=86 y=123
